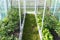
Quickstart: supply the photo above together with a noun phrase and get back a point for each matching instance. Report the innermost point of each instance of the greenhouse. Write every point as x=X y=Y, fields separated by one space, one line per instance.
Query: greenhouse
x=29 y=19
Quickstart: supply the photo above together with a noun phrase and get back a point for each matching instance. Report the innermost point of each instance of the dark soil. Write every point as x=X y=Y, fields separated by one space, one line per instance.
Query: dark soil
x=55 y=35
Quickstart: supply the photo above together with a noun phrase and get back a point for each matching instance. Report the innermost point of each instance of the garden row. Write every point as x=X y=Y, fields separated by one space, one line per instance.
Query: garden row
x=9 y=26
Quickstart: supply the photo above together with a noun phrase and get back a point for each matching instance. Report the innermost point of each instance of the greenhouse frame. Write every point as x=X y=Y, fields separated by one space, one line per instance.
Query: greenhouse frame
x=30 y=19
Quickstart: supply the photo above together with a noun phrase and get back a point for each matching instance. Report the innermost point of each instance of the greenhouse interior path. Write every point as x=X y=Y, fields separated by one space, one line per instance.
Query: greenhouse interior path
x=30 y=31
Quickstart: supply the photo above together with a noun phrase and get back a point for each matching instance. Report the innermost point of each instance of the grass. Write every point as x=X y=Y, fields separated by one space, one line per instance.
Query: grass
x=30 y=31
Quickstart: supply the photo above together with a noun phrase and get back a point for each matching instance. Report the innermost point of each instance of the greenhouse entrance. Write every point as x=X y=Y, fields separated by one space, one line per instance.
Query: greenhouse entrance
x=29 y=20
x=33 y=8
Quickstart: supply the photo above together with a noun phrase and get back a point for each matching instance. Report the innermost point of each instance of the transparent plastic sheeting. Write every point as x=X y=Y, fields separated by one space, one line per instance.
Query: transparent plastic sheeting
x=4 y=6
x=8 y=4
x=3 y=9
x=55 y=8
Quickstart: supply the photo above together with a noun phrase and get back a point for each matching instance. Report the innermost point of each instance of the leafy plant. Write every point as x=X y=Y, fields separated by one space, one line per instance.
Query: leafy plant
x=57 y=29
x=46 y=34
x=50 y=22
x=9 y=24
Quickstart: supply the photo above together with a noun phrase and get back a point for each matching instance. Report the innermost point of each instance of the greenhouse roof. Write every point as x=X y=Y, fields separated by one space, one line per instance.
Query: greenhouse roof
x=32 y=3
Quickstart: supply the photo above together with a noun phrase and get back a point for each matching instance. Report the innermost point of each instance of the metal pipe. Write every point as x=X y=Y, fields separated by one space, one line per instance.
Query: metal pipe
x=39 y=30
x=43 y=16
x=22 y=24
x=55 y=7
x=19 y=18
